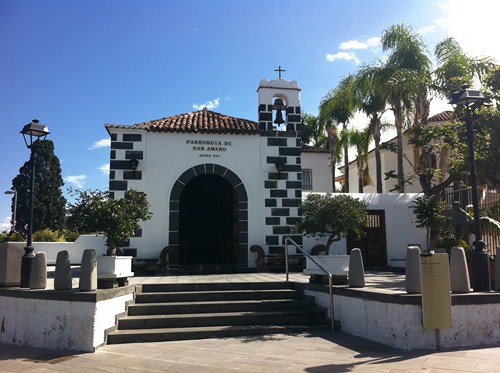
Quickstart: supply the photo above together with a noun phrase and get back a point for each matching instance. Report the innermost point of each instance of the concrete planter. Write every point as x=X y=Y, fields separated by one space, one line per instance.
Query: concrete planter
x=335 y=264
x=113 y=267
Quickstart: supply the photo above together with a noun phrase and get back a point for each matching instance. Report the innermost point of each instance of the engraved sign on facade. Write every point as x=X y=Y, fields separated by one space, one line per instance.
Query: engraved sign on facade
x=209 y=148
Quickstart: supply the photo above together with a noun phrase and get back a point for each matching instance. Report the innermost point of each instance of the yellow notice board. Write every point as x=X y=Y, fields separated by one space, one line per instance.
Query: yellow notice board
x=436 y=296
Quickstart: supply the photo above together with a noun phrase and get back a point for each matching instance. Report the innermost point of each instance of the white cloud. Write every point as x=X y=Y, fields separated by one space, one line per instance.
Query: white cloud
x=105 y=169
x=103 y=143
x=473 y=25
x=348 y=56
x=5 y=224
x=429 y=29
x=77 y=180
x=209 y=105
x=356 y=44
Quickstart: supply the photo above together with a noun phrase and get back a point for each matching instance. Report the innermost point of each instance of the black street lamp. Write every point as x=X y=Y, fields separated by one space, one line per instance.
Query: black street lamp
x=31 y=132
x=470 y=99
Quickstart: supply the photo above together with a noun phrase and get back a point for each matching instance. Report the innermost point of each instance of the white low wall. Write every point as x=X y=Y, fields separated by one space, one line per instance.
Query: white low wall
x=399 y=324
x=58 y=324
x=75 y=249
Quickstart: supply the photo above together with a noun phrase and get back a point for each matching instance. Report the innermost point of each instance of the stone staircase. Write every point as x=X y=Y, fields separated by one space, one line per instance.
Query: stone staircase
x=168 y=312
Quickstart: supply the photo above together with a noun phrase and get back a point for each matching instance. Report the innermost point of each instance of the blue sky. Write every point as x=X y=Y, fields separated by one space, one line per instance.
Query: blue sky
x=76 y=65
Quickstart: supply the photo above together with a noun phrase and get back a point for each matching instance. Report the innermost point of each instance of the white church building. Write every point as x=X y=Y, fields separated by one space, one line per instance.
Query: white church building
x=216 y=184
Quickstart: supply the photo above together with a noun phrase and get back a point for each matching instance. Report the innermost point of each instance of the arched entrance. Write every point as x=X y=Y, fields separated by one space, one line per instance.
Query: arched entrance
x=208 y=218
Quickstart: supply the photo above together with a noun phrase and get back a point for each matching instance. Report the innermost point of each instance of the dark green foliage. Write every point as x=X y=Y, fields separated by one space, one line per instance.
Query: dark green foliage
x=49 y=202
x=429 y=215
x=333 y=217
x=94 y=212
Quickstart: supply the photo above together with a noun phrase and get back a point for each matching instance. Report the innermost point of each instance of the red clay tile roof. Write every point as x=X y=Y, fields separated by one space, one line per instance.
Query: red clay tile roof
x=442 y=117
x=312 y=149
x=202 y=121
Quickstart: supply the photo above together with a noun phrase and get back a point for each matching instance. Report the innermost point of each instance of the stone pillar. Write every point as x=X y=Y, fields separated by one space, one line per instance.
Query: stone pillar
x=88 y=271
x=459 y=275
x=38 y=275
x=356 y=278
x=62 y=278
x=412 y=280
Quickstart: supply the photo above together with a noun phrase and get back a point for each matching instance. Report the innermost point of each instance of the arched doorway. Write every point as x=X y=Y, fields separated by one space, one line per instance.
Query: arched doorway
x=206 y=222
x=232 y=193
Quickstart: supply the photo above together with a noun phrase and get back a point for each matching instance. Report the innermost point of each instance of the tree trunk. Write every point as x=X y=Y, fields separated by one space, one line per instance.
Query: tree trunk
x=111 y=251
x=378 y=160
x=332 y=145
x=398 y=121
x=346 y=168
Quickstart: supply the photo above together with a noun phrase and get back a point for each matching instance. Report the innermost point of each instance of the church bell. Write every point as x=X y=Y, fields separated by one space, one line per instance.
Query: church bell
x=279 y=105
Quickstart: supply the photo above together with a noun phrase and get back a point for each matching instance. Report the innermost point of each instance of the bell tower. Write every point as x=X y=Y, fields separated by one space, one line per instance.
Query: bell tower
x=280 y=126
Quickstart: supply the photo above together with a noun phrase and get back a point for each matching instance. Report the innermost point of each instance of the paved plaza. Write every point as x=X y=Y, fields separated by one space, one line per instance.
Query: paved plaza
x=311 y=352
x=318 y=352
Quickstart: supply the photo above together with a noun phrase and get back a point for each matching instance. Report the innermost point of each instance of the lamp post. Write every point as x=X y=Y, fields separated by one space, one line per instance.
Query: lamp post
x=14 y=215
x=31 y=132
x=134 y=163
x=470 y=98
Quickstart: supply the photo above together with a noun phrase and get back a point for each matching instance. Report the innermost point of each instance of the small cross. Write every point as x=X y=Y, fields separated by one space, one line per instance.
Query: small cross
x=279 y=70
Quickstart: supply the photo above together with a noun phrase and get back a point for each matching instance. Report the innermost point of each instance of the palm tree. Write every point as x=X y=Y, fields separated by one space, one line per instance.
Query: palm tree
x=361 y=140
x=313 y=132
x=455 y=68
x=339 y=106
x=371 y=91
x=408 y=74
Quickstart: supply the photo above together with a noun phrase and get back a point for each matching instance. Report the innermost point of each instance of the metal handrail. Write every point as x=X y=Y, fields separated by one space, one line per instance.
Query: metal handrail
x=330 y=276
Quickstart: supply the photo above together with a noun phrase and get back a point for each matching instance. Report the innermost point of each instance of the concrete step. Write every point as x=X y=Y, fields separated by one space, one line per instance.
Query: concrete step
x=295 y=317
x=215 y=286
x=216 y=306
x=166 y=312
x=176 y=334
x=216 y=295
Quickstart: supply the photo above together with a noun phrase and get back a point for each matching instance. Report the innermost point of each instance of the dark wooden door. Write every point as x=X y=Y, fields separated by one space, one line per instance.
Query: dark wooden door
x=372 y=244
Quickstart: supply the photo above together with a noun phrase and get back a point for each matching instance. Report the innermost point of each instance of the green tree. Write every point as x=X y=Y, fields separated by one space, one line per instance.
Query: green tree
x=118 y=219
x=333 y=217
x=455 y=68
x=49 y=202
x=313 y=131
x=371 y=91
x=361 y=140
x=339 y=106
x=407 y=73
x=429 y=216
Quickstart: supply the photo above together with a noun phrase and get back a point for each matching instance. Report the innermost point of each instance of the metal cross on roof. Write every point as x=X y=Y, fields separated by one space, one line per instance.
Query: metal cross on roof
x=279 y=70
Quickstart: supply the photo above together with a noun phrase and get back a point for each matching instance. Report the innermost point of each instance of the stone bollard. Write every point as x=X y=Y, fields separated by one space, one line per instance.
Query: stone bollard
x=38 y=275
x=62 y=278
x=412 y=278
x=88 y=271
x=356 y=278
x=497 y=270
x=459 y=275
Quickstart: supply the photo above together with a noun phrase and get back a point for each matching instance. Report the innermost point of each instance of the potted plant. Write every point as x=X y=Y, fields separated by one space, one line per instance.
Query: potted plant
x=117 y=219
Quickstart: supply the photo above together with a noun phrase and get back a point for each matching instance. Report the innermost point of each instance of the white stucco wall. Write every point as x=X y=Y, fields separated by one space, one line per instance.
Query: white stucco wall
x=167 y=156
x=75 y=249
x=400 y=325
x=58 y=324
x=400 y=231
x=319 y=163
